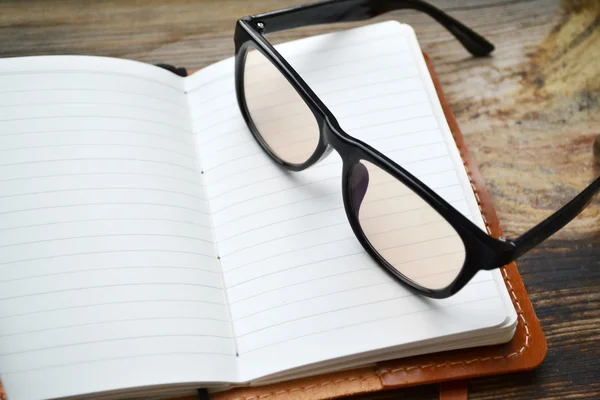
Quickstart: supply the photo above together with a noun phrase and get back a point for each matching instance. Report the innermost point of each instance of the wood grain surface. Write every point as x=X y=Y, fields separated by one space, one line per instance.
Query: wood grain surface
x=530 y=114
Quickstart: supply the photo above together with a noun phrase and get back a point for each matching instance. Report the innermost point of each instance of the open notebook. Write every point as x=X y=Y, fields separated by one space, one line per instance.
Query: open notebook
x=147 y=243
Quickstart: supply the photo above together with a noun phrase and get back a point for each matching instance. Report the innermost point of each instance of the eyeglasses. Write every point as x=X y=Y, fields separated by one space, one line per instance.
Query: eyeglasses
x=368 y=177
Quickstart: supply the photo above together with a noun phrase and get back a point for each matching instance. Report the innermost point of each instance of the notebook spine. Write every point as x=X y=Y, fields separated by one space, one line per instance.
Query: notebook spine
x=176 y=70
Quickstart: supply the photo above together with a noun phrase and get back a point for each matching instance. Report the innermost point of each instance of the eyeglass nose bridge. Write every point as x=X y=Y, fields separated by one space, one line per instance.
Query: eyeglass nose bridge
x=335 y=138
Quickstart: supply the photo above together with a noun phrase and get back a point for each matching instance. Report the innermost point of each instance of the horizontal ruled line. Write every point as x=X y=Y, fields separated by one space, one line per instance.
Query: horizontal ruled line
x=112 y=303
x=351 y=238
x=79 y=89
x=153 y=109
x=99 y=159
x=111 y=235
x=336 y=207
x=327 y=312
x=79 y=131
x=5 y=263
x=103 y=204
x=355 y=44
x=113 y=321
x=110 y=286
x=75 y=272
x=363 y=323
x=98 y=116
x=317 y=296
x=275 y=192
x=195 y=184
x=337 y=192
x=73 y=221
x=190 y=156
x=111 y=340
x=108 y=188
x=305 y=281
x=199 y=353
x=91 y=72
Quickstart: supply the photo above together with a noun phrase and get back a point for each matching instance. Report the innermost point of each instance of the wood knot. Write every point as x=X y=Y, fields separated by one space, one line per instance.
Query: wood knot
x=597 y=148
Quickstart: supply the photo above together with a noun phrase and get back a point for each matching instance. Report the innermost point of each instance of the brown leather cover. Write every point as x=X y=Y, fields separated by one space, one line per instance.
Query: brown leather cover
x=525 y=351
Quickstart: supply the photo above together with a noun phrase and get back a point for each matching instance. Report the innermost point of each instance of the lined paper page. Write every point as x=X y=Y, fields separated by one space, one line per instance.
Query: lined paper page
x=107 y=262
x=301 y=289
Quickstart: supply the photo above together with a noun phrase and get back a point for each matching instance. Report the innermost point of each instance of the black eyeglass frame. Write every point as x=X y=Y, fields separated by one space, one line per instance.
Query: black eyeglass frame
x=482 y=252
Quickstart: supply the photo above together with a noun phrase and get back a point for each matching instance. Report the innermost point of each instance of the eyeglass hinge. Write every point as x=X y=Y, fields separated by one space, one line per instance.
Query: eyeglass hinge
x=507 y=253
x=260 y=26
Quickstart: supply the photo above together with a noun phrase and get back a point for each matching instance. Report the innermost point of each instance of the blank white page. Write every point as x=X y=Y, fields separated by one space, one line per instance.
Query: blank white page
x=301 y=289
x=108 y=271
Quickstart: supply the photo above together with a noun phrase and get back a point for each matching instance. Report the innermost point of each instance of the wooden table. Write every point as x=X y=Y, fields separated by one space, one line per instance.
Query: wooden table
x=530 y=114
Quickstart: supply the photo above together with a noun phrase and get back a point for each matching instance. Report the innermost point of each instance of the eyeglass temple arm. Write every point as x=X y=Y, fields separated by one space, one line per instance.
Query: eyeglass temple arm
x=555 y=222
x=357 y=10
